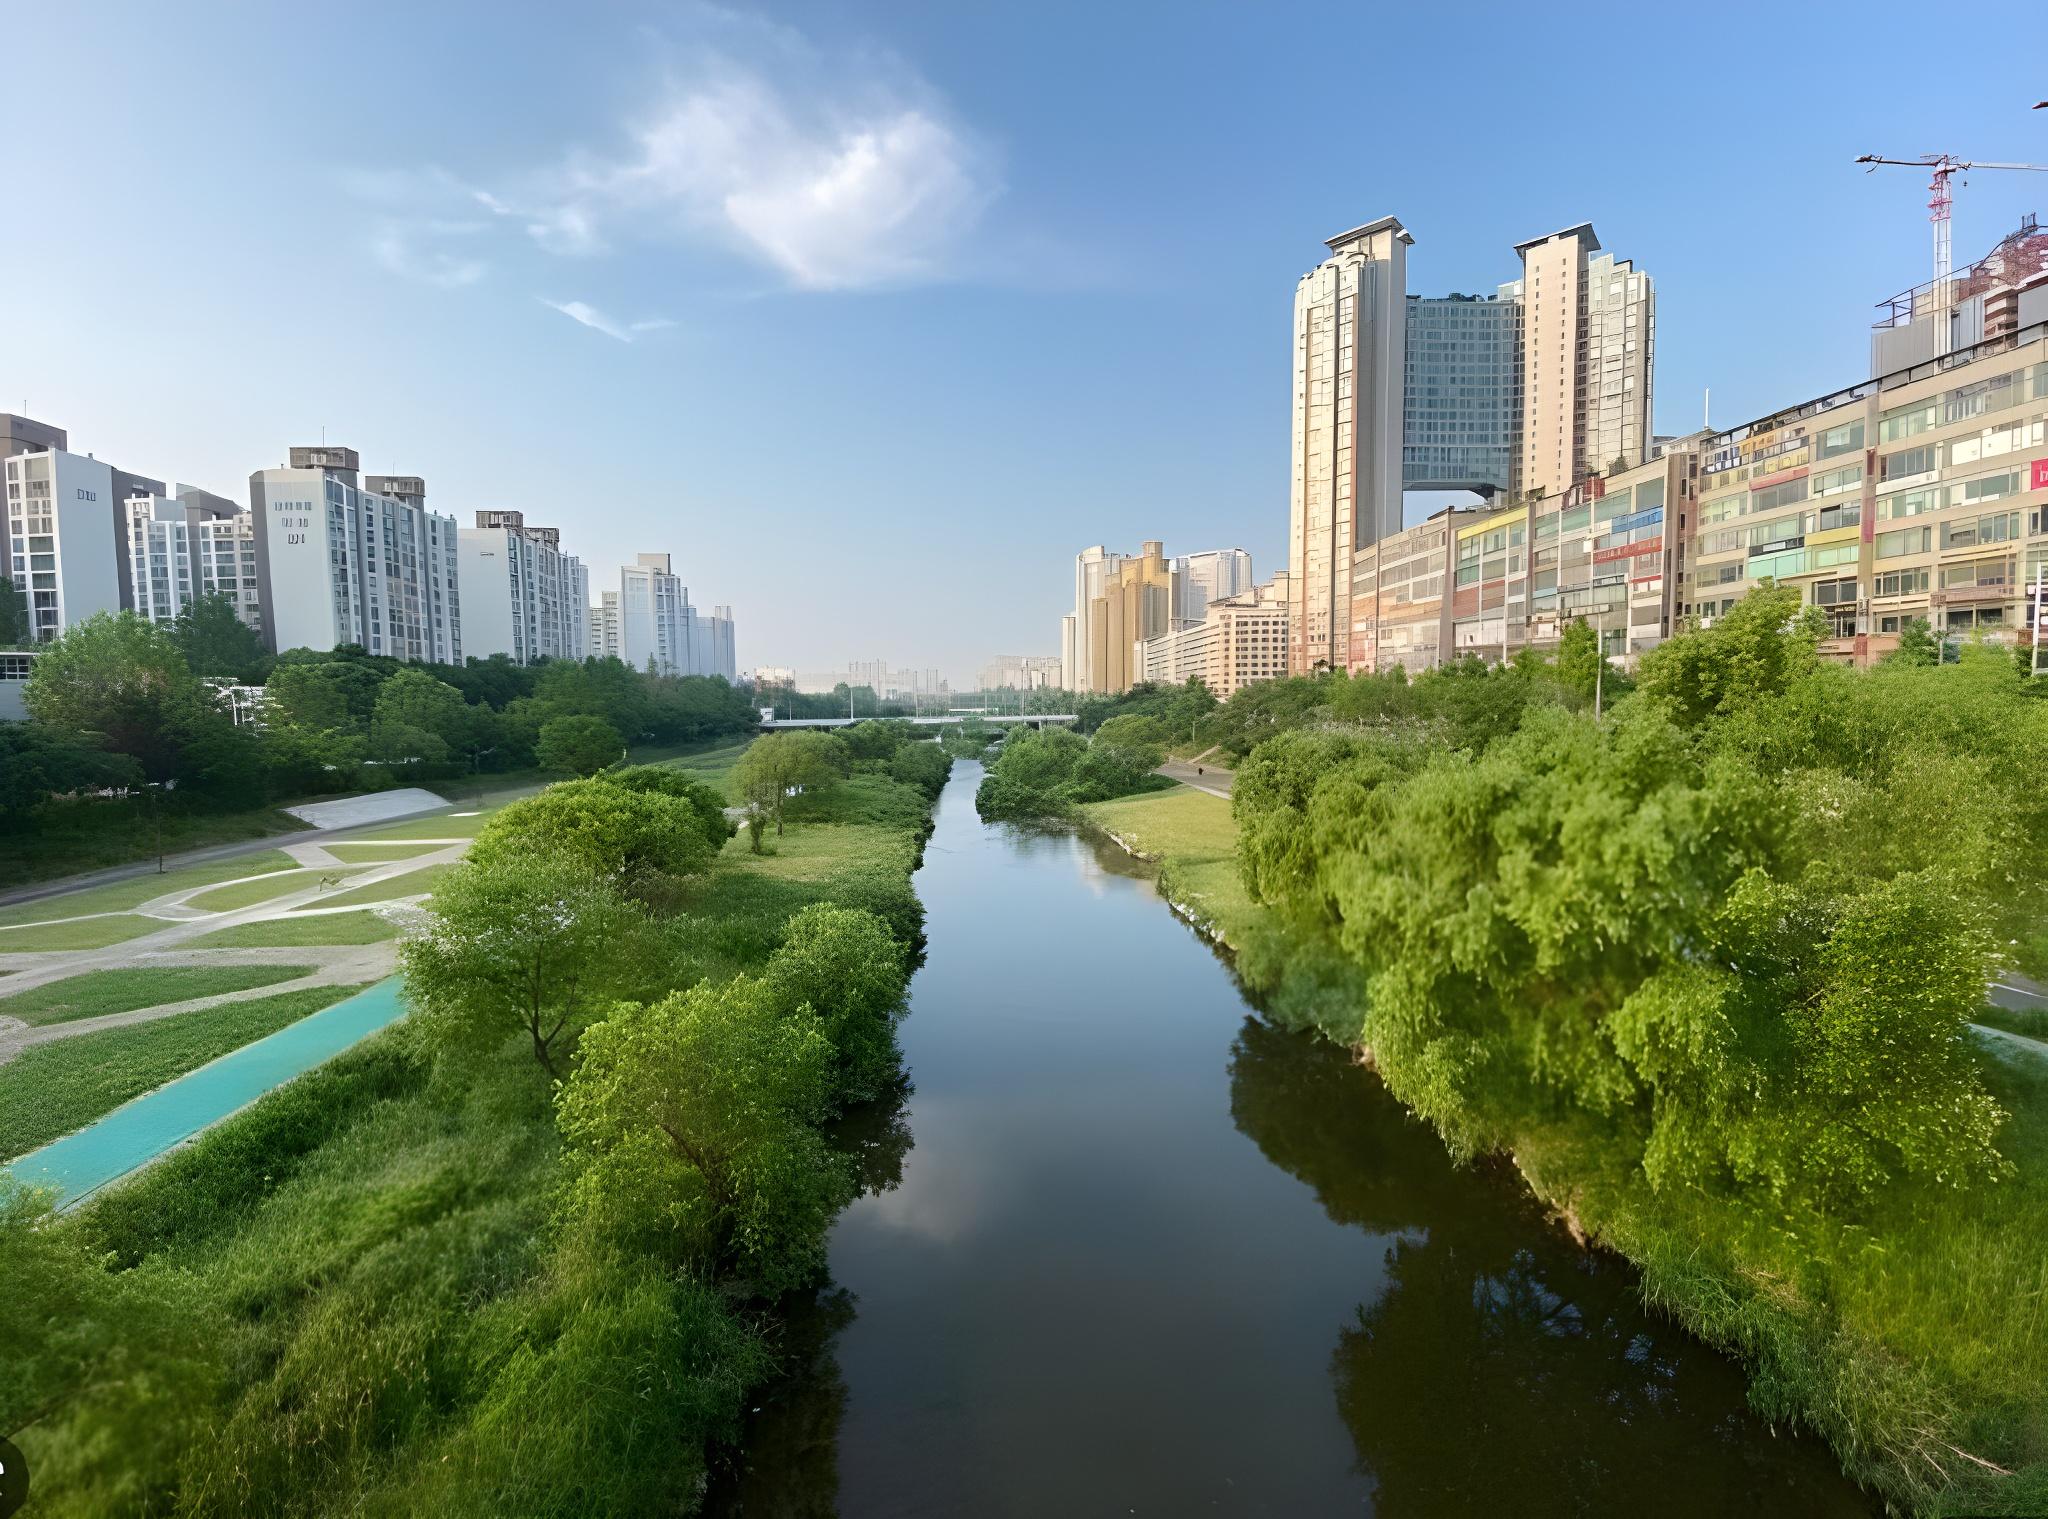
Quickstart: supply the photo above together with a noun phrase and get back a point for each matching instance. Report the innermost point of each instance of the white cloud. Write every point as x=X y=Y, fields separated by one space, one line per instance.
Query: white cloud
x=395 y=247
x=591 y=317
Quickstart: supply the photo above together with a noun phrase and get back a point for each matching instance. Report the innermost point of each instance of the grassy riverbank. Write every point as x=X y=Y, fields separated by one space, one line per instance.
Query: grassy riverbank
x=367 y=1294
x=1906 y=1342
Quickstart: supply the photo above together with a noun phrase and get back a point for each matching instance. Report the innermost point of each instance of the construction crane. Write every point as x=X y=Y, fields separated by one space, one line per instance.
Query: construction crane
x=1939 y=206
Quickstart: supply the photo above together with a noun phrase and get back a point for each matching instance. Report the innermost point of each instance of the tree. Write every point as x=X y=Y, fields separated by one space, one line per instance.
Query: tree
x=612 y=831
x=777 y=764
x=15 y=630
x=579 y=745
x=1578 y=658
x=121 y=678
x=529 y=941
x=1743 y=658
x=701 y=1109
x=213 y=638
x=1917 y=645
x=38 y=762
x=322 y=694
x=705 y=803
x=842 y=965
x=414 y=699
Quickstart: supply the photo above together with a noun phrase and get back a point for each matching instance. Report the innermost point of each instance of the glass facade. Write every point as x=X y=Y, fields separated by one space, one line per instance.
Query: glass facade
x=1462 y=393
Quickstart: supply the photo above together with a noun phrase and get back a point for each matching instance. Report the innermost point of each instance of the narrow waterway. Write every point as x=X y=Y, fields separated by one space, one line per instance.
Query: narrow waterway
x=1132 y=1250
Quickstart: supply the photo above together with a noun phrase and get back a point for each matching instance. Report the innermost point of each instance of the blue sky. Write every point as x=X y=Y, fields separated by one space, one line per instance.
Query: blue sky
x=873 y=317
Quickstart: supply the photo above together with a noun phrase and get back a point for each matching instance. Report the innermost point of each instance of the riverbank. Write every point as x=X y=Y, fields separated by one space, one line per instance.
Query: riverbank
x=358 y=1294
x=1918 y=1349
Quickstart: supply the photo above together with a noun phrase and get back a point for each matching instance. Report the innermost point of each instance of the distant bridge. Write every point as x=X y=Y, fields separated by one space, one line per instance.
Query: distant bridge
x=1035 y=719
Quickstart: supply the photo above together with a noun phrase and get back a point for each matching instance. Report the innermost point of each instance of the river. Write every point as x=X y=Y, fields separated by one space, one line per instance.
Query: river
x=1133 y=1250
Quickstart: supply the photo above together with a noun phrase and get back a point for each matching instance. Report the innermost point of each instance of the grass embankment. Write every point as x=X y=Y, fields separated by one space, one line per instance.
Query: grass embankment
x=2031 y=1022
x=84 y=933
x=50 y=1089
x=379 y=854
x=80 y=836
x=352 y=1297
x=122 y=895
x=98 y=993
x=314 y=929
x=266 y=888
x=1891 y=1340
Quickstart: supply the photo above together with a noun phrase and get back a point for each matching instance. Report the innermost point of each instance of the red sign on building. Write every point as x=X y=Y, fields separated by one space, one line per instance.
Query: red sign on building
x=2040 y=476
x=1629 y=550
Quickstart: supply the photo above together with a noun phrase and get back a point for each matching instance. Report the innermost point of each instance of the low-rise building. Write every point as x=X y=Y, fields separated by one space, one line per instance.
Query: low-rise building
x=1240 y=640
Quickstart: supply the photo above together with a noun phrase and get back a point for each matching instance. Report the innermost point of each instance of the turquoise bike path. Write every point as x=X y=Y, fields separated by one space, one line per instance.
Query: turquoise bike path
x=138 y=1131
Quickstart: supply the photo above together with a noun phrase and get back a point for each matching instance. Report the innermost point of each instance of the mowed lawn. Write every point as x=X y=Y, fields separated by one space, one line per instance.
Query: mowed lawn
x=122 y=895
x=50 y=1089
x=411 y=884
x=86 y=933
x=1191 y=833
x=98 y=993
x=378 y=854
x=363 y=927
x=714 y=766
x=268 y=888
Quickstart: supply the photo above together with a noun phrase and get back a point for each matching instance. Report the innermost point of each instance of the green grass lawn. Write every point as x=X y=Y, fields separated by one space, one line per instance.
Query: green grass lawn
x=377 y=854
x=440 y=825
x=77 y=836
x=267 y=888
x=291 y=933
x=51 y=1089
x=99 y=992
x=122 y=895
x=411 y=884
x=1191 y=833
x=86 y=933
x=714 y=765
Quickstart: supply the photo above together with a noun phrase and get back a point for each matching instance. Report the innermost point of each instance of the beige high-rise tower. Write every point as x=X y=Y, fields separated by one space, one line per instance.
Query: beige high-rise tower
x=1589 y=339
x=1350 y=349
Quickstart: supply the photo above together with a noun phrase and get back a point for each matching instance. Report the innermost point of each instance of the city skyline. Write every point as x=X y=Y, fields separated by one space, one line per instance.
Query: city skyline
x=562 y=300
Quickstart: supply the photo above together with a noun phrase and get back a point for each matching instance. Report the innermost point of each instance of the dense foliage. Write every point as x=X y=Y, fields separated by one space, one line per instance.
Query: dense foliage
x=1044 y=773
x=430 y=1277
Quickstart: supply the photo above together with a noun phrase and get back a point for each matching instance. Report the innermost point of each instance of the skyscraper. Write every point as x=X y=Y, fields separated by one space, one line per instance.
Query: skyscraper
x=1199 y=579
x=1350 y=344
x=1463 y=392
x=1589 y=333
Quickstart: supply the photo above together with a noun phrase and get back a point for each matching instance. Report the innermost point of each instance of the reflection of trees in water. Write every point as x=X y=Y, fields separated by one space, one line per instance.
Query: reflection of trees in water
x=787 y=1463
x=1501 y=1369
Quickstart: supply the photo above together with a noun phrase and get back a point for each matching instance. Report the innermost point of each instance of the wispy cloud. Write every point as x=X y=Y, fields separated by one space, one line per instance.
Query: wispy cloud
x=398 y=248
x=597 y=321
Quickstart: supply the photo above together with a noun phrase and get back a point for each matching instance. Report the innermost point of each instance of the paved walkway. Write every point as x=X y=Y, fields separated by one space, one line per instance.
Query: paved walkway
x=1212 y=780
x=333 y=965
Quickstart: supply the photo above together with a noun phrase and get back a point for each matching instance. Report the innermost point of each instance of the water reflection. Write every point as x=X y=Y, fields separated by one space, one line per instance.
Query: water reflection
x=1501 y=1369
x=1150 y=1255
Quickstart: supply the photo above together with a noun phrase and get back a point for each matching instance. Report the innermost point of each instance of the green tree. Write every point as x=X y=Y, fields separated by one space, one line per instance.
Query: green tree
x=322 y=695
x=38 y=762
x=121 y=678
x=1917 y=645
x=15 y=631
x=777 y=764
x=213 y=638
x=1578 y=658
x=1742 y=659
x=705 y=803
x=528 y=941
x=841 y=964
x=612 y=831
x=414 y=699
x=701 y=1111
x=579 y=745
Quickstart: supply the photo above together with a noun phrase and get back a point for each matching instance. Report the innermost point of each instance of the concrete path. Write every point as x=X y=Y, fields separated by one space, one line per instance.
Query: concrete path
x=334 y=965
x=1212 y=780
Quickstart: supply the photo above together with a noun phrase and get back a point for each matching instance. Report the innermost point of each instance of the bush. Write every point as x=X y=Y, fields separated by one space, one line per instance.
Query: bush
x=610 y=830
x=664 y=780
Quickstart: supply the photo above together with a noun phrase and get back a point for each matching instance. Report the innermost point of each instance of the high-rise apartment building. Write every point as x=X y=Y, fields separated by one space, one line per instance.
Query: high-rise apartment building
x=1589 y=336
x=1199 y=579
x=187 y=545
x=605 y=641
x=1349 y=369
x=1022 y=672
x=649 y=619
x=1133 y=602
x=522 y=596
x=1463 y=393
x=63 y=538
x=339 y=563
x=22 y=435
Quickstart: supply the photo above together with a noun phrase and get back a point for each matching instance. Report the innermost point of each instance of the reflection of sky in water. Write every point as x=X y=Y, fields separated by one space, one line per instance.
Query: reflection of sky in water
x=1147 y=1257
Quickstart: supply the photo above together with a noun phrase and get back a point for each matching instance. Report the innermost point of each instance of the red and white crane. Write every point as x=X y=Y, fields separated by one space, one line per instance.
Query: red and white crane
x=1939 y=206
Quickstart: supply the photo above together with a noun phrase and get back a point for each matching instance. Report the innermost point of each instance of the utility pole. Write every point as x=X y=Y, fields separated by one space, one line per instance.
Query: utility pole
x=2034 y=653
x=1600 y=669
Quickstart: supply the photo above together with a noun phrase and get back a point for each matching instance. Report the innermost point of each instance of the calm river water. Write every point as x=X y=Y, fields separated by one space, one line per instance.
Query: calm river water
x=1132 y=1250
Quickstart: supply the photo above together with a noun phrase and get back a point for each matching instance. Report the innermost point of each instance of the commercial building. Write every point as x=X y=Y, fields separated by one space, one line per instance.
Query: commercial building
x=2000 y=294
x=1349 y=370
x=1241 y=639
x=1589 y=333
x=1094 y=568
x=1199 y=579
x=1922 y=493
x=1136 y=604
x=522 y=596
x=1463 y=394
x=340 y=563
x=189 y=544
x=63 y=538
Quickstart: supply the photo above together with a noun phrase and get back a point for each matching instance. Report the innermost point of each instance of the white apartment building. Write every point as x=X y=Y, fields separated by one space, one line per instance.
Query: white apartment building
x=1199 y=579
x=523 y=597
x=1349 y=378
x=604 y=627
x=188 y=545
x=721 y=656
x=649 y=620
x=63 y=538
x=339 y=563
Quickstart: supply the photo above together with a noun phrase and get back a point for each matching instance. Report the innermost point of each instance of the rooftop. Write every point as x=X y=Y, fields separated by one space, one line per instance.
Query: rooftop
x=1357 y=234
x=1583 y=231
